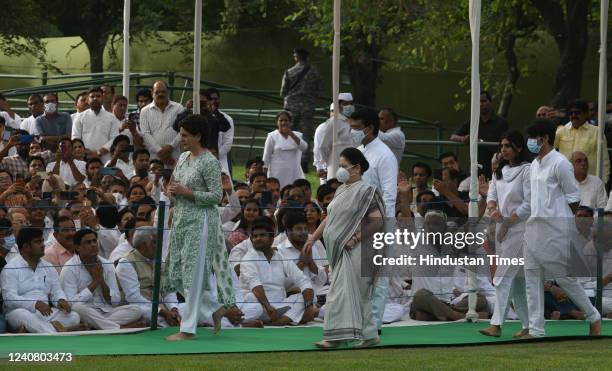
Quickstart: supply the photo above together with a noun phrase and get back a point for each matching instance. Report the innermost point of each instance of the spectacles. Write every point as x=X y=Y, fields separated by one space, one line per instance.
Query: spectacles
x=575 y=113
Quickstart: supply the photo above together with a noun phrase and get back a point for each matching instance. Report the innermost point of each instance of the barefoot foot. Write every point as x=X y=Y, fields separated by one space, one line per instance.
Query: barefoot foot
x=180 y=336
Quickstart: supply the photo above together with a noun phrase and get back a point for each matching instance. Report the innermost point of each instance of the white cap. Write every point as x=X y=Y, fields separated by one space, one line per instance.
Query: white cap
x=347 y=97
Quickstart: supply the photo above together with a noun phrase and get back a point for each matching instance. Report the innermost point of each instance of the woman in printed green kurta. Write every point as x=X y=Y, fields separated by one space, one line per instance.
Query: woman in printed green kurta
x=197 y=246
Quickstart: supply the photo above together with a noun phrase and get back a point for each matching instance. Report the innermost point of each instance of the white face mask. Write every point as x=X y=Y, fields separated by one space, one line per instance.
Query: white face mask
x=50 y=107
x=343 y=174
x=357 y=136
x=77 y=224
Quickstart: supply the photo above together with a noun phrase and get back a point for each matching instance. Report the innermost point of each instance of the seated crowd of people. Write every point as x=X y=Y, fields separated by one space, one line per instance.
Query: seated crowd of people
x=79 y=214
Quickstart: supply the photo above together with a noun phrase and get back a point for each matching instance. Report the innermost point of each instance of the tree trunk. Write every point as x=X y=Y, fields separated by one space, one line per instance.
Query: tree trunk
x=96 y=49
x=364 y=74
x=570 y=31
x=511 y=78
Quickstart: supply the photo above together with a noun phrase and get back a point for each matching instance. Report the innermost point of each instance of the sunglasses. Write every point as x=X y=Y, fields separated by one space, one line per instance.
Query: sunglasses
x=575 y=113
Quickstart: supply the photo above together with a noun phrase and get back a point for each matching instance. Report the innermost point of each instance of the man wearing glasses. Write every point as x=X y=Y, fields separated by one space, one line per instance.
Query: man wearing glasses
x=579 y=135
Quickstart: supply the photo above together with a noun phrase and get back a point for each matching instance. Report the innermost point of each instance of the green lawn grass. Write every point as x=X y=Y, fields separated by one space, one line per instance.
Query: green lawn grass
x=561 y=355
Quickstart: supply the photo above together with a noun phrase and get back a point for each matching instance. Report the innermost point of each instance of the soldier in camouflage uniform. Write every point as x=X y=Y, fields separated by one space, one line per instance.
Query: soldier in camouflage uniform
x=300 y=88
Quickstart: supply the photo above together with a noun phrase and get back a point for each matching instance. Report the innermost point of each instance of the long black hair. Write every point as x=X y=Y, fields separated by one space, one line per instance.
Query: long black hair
x=517 y=141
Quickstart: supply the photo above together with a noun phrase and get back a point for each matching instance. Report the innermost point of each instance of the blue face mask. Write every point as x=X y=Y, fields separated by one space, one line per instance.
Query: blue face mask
x=347 y=111
x=9 y=242
x=533 y=146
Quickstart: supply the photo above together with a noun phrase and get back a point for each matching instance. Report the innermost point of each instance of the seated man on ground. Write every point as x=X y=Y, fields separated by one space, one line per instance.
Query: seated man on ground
x=265 y=277
x=91 y=286
x=292 y=249
x=29 y=284
x=136 y=275
x=437 y=289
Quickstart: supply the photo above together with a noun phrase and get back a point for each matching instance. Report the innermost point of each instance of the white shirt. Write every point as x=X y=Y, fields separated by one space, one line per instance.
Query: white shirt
x=553 y=186
x=290 y=253
x=14 y=123
x=318 y=163
x=75 y=279
x=128 y=278
x=592 y=192
x=440 y=280
x=156 y=127
x=66 y=173
x=108 y=240
x=96 y=131
x=551 y=227
x=29 y=124
x=126 y=167
x=395 y=139
x=239 y=251
x=22 y=287
x=226 y=139
x=382 y=172
x=120 y=251
x=275 y=276
x=343 y=140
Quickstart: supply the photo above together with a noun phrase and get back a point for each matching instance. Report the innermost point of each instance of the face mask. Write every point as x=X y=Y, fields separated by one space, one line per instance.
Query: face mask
x=357 y=136
x=347 y=111
x=533 y=146
x=9 y=242
x=50 y=107
x=343 y=175
x=77 y=224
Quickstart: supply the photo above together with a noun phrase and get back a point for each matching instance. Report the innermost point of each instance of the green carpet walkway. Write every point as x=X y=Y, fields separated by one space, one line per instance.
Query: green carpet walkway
x=272 y=339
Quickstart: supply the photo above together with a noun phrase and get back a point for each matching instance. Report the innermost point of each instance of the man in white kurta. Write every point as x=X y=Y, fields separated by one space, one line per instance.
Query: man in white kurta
x=91 y=286
x=226 y=138
x=265 y=277
x=382 y=174
x=96 y=127
x=135 y=272
x=391 y=134
x=28 y=284
x=156 y=121
x=550 y=229
x=343 y=132
x=318 y=162
x=592 y=190
x=291 y=249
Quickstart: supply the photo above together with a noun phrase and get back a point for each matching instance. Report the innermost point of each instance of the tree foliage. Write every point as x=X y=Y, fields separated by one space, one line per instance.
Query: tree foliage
x=21 y=30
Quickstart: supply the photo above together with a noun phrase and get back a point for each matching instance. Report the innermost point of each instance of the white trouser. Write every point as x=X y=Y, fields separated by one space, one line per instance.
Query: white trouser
x=292 y=307
x=37 y=323
x=379 y=299
x=112 y=319
x=535 y=298
x=510 y=289
x=199 y=304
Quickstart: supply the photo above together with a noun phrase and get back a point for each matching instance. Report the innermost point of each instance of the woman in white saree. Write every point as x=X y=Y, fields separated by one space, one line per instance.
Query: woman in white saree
x=348 y=312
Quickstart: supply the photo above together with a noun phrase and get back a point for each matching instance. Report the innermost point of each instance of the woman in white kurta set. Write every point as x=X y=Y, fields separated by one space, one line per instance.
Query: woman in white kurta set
x=283 y=151
x=509 y=201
